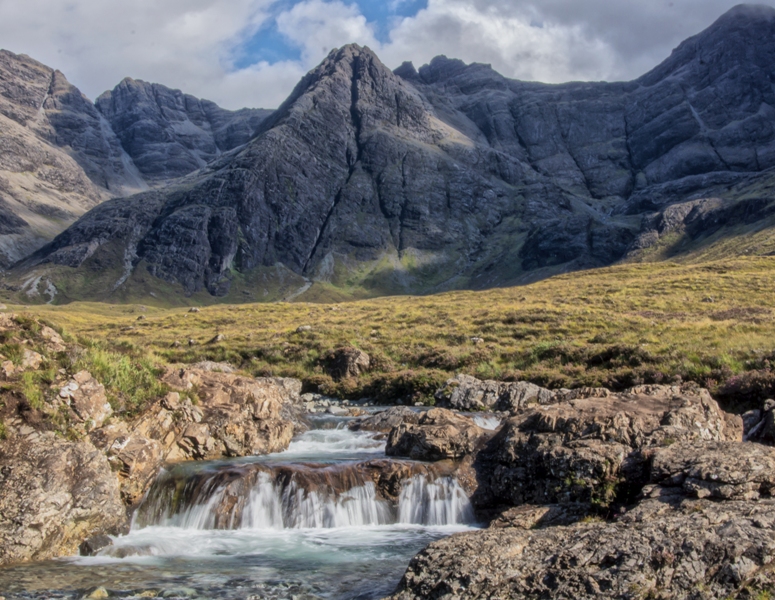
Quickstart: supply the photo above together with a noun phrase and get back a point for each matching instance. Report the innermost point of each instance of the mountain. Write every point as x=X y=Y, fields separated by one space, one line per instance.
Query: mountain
x=367 y=181
x=169 y=134
x=61 y=155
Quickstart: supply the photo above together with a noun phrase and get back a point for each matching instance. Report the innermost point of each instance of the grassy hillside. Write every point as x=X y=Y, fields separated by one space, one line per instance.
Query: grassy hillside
x=652 y=322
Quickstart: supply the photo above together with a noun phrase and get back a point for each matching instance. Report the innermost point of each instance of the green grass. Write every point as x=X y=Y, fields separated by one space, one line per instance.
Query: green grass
x=713 y=323
x=131 y=377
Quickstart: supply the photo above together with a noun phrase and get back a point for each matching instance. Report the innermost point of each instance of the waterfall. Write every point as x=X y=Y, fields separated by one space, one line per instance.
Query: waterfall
x=301 y=497
x=438 y=502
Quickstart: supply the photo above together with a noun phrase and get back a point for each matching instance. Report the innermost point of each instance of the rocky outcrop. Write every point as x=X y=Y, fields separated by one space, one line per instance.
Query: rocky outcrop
x=229 y=416
x=594 y=449
x=347 y=362
x=438 y=434
x=714 y=470
x=53 y=495
x=454 y=176
x=464 y=392
x=168 y=133
x=699 y=550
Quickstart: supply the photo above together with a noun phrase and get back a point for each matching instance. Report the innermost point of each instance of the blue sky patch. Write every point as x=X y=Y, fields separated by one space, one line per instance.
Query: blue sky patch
x=269 y=45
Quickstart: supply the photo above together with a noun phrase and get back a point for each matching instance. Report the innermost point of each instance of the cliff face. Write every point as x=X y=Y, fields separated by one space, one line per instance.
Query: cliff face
x=167 y=133
x=451 y=176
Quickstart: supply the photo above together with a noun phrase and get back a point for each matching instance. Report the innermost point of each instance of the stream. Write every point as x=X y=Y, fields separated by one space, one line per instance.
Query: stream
x=305 y=523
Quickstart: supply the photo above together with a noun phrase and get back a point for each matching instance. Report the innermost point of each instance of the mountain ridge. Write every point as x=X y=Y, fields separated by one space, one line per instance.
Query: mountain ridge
x=367 y=181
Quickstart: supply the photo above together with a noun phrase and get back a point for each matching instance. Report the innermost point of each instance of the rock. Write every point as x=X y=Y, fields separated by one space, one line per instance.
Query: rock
x=54 y=495
x=54 y=341
x=31 y=360
x=759 y=425
x=303 y=329
x=8 y=369
x=438 y=434
x=714 y=470
x=217 y=339
x=385 y=420
x=91 y=546
x=86 y=397
x=698 y=550
x=529 y=516
x=346 y=362
x=594 y=450
x=191 y=342
x=466 y=393
x=99 y=594
x=193 y=309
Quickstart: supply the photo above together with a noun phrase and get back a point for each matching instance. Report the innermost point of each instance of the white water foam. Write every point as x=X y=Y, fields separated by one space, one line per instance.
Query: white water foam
x=490 y=422
x=439 y=502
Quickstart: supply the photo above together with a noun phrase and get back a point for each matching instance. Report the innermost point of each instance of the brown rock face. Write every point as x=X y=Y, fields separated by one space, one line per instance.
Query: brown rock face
x=54 y=494
x=594 y=449
x=438 y=434
x=234 y=416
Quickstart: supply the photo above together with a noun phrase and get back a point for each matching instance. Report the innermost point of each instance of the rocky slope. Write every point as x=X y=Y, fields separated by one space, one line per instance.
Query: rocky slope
x=62 y=155
x=450 y=176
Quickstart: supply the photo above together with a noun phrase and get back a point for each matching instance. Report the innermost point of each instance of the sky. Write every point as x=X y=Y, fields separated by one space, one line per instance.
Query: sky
x=252 y=52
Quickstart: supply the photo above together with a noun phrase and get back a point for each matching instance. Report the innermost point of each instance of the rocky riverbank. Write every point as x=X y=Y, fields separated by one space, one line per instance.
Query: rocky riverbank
x=647 y=493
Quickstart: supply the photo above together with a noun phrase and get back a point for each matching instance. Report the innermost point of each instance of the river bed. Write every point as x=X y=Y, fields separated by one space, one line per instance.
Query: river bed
x=299 y=524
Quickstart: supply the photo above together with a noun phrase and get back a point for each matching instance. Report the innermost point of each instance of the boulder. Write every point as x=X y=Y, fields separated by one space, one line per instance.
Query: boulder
x=53 y=495
x=759 y=424
x=384 y=421
x=700 y=550
x=594 y=450
x=466 y=393
x=348 y=362
x=438 y=434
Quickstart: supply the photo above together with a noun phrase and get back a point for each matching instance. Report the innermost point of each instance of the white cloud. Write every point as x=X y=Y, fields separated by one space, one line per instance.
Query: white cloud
x=192 y=44
x=317 y=27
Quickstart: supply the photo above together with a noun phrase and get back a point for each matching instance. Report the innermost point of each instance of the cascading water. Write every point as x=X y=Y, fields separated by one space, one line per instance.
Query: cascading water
x=331 y=517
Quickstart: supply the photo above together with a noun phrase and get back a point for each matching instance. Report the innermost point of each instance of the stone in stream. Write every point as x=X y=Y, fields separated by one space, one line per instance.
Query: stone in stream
x=438 y=434
x=385 y=420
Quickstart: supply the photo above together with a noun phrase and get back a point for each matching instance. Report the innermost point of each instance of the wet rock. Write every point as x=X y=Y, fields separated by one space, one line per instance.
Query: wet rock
x=699 y=550
x=386 y=420
x=346 y=362
x=464 y=392
x=91 y=546
x=54 y=494
x=438 y=434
